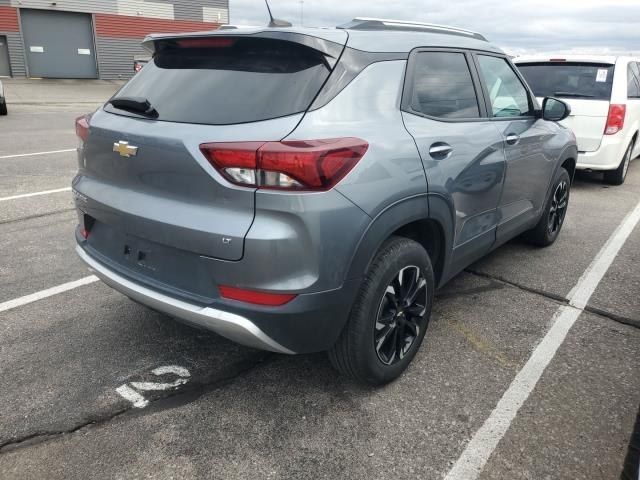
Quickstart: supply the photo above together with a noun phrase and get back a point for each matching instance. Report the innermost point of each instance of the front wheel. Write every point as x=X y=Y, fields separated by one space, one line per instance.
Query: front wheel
x=617 y=176
x=390 y=316
x=548 y=228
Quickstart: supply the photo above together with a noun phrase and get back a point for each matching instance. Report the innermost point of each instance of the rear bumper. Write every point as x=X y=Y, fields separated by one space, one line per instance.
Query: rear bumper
x=229 y=325
x=310 y=323
x=607 y=157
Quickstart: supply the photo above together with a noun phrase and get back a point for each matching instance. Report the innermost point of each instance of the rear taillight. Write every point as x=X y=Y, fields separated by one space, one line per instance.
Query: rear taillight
x=615 y=120
x=82 y=127
x=256 y=298
x=291 y=165
x=86 y=224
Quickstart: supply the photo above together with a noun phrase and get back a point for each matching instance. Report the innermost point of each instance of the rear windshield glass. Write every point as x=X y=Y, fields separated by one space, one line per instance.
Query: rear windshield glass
x=221 y=81
x=569 y=80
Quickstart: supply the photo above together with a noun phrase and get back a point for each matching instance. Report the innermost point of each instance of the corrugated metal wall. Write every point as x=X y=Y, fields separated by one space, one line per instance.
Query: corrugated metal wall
x=118 y=40
x=182 y=9
x=120 y=26
x=190 y=10
x=87 y=6
x=16 y=53
x=115 y=57
x=10 y=28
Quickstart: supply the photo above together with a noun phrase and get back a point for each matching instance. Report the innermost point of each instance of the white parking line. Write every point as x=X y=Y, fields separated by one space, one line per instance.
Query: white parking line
x=35 y=194
x=49 y=292
x=486 y=439
x=19 y=155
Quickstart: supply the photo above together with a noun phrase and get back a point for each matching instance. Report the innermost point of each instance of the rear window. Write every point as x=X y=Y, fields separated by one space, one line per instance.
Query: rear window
x=226 y=80
x=569 y=80
x=442 y=86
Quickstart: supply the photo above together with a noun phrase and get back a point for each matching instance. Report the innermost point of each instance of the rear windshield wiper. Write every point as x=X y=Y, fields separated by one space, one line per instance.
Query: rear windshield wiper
x=139 y=105
x=570 y=94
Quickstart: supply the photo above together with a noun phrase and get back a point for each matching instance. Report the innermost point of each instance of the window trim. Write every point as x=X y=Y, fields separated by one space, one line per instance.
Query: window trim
x=635 y=77
x=533 y=102
x=407 y=87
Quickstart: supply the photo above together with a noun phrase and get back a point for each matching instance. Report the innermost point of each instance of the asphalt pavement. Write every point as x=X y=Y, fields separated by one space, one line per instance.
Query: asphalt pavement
x=96 y=386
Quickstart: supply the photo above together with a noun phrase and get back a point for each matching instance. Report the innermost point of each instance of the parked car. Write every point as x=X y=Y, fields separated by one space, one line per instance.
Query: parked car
x=3 y=101
x=303 y=190
x=139 y=63
x=604 y=95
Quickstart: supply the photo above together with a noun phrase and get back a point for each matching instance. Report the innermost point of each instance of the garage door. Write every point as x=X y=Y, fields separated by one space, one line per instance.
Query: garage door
x=58 y=44
x=5 y=69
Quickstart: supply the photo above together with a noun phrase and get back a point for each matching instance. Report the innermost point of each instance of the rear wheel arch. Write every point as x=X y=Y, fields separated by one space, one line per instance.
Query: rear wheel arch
x=428 y=233
x=414 y=219
x=569 y=165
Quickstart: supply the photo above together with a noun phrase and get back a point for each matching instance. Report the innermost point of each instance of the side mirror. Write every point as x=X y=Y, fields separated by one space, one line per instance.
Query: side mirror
x=555 y=110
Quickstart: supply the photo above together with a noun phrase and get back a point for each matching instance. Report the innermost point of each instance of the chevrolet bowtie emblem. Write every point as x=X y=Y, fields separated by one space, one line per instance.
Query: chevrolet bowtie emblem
x=124 y=149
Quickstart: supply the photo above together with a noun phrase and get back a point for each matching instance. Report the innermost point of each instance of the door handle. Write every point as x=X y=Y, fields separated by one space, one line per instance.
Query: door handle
x=440 y=150
x=512 y=138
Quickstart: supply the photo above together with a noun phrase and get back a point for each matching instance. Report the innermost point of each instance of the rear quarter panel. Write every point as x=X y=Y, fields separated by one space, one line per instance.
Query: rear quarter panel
x=369 y=108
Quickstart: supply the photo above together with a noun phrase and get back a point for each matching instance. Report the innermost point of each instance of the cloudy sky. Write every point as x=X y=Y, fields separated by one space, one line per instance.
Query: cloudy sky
x=520 y=26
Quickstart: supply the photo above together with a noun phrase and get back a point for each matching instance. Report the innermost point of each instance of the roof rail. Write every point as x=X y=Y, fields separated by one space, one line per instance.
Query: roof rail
x=364 y=23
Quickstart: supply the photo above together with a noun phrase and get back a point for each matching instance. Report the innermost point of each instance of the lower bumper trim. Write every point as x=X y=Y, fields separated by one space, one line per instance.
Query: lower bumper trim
x=229 y=325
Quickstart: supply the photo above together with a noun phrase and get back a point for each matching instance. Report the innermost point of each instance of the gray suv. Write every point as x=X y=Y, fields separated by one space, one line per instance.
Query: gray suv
x=302 y=190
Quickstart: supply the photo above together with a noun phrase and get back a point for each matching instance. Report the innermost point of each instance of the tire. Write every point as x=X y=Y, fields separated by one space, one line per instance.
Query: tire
x=3 y=107
x=548 y=228
x=617 y=176
x=355 y=354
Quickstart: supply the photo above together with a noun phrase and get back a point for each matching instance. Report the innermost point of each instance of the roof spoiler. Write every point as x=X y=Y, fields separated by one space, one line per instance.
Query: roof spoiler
x=330 y=49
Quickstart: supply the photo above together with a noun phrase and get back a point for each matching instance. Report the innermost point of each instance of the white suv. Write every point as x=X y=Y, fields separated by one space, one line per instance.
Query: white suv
x=604 y=95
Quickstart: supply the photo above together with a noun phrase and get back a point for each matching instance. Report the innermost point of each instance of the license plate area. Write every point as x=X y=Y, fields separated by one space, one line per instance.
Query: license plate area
x=178 y=272
x=141 y=253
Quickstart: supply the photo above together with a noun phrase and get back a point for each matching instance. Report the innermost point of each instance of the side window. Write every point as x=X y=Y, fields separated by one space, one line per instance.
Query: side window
x=508 y=95
x=442 y=86
x=633 y=81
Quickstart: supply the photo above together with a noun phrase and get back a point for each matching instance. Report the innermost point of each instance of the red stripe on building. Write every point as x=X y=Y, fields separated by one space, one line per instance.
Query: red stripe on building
x=9 y=19
x=122 y=26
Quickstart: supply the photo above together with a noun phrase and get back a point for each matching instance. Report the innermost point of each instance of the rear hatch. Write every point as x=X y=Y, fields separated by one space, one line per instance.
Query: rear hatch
x=142 y=172
x=586 y=87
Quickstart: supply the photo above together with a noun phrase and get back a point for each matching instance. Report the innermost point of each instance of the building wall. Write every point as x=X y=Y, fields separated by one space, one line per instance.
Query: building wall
x=10 y=28
x=118 y=39
x=119 y=25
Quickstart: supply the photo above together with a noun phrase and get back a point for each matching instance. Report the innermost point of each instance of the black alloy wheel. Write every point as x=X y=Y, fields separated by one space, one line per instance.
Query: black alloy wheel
x=400 y=315
x=558 y=210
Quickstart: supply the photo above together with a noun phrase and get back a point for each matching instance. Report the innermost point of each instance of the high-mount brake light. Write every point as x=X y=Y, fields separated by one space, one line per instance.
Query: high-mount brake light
x=211 y=42
x=256 y=298
x=310 y=165
x=615 y=120
x=82 y=127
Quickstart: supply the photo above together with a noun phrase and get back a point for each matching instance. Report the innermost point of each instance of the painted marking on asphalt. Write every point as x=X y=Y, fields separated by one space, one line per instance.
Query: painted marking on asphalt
x=182 y=372
x=128 y=393
x=477 y=452
x=20 y=155
x=131 y=395
x=35 y=194
x=49 y=292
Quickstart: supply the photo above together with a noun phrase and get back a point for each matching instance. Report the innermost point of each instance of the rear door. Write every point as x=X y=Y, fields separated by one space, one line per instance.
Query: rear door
x=529 y=170
x=585 y=86
x=144 y=174
x=461 y=150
